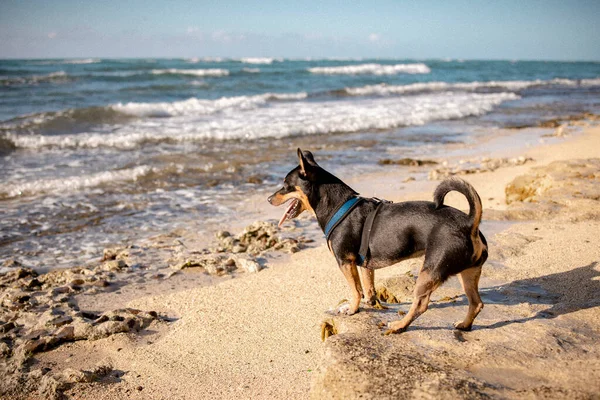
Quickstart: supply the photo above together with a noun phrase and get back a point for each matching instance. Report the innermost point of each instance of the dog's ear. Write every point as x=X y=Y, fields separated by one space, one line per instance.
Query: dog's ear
x=307 y=162
x=310 y=158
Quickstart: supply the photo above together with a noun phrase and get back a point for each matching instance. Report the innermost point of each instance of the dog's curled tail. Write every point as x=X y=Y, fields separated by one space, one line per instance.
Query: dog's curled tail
x=461 y=186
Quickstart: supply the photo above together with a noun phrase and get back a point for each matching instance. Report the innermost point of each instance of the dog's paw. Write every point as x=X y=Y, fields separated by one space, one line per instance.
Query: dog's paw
x=346 y=309
x=394 y=327
x=461 y=326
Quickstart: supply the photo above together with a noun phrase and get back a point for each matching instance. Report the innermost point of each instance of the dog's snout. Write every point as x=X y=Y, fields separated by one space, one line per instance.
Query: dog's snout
x=270 y=198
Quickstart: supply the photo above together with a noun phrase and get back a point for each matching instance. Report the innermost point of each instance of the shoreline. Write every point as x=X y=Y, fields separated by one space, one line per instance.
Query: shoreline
x=258 y=335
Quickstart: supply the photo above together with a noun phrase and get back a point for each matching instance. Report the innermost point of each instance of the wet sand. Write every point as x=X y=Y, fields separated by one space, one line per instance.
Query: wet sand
x=259 y=335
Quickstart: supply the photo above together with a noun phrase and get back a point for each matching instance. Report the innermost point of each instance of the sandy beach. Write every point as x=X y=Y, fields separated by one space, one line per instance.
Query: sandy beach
x=258 y=335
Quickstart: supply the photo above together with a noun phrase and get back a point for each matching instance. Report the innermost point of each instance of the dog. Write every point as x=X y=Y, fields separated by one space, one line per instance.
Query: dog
x=449 y=239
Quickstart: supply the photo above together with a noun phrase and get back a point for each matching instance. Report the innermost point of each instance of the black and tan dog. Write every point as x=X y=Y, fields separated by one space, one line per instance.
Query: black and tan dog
x=449 y=238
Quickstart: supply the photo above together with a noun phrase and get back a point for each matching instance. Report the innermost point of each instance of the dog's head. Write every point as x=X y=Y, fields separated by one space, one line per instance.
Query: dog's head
x=298 y=187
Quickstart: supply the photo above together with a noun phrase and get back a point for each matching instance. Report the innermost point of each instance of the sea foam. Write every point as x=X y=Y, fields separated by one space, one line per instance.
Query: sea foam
x=372 y=69
x=277 y=120
x=383 y=89
x=194 y=72
x=196 y=106
x=70 y=184
x=257 y=60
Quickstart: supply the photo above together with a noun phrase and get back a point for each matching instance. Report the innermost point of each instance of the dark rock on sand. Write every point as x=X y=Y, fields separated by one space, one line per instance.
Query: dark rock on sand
x=411 y=162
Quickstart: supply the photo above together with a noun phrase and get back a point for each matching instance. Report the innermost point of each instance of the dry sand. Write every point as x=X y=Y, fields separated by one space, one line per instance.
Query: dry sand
x=258 y=336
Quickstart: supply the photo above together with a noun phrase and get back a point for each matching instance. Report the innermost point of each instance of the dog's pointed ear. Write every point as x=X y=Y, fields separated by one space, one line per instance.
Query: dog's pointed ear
x=302 y=161
x=307 y=162
x=310 y=158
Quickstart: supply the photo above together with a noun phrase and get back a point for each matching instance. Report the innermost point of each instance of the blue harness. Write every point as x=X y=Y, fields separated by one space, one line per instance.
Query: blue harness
x=343 y=212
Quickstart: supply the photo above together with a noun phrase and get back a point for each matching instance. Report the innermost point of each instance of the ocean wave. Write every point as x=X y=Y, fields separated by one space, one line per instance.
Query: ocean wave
x=590 y=82
x=426 y=87
x=68 y=61
x=372 y=69
x=101 y=118
x=251 y=70
x=66 y=121
x=196 y=106
x=281 y=120
x=70 y=184
x=82 y=61
x=6 y=146
x=194 y=72
x=54 y=77
x=257 y=60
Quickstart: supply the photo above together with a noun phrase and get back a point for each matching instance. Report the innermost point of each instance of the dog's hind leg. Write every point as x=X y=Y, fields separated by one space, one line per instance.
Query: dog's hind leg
x=469 y=279
x=425 y=285
x=351 y=275
x=368 y=284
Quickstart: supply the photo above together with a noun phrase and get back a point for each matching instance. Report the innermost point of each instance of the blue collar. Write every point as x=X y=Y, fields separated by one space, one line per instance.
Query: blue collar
x=340 y=214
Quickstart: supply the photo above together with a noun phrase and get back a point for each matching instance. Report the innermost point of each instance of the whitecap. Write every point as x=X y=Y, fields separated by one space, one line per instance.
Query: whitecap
x=194 y=72
x=71 y=184
x=279 y=120
x=372 y=69
x=257 y=60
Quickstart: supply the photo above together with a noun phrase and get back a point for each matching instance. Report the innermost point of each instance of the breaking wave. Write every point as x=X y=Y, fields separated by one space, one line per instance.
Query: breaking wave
x=427 y=87
x=66 y=185
x=194 y=72
x=196 y=106
x=279 y=120
x=257 y=60
x=372 y=69
x=54 y=77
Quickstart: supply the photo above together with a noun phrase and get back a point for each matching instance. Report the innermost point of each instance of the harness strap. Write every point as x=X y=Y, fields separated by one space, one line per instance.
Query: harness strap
x=366 y=232
x=343 y=212
x=340 y=214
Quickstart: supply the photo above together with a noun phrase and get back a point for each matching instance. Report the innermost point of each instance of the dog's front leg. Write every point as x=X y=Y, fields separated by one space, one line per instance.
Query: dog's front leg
x=368 y=283
x=351 y=274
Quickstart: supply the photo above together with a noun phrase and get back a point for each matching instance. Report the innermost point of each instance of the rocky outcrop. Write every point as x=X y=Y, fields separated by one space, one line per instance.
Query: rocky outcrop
x=545 y=191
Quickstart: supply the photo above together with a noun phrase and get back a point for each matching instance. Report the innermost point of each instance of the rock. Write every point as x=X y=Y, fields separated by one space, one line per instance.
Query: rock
x=407 y=161
x=12 y=263
x=213 y=264
x=66 y=333
x=51 y=387
x=114 y=265
x=223 y=234
x=116 y=253
x=59 y=321
x=10 y=277
x=61 y=290
x=562 y=185
x=238 y=248
x=100 y=283
x=4 y=350
x=7 y=327
x=249 y=265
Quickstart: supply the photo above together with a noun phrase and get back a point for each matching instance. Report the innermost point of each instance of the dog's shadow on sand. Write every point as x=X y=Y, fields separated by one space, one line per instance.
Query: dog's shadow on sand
x=564 y=293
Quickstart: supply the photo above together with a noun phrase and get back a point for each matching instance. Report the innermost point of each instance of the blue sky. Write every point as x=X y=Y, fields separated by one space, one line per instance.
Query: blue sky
x=507 y=29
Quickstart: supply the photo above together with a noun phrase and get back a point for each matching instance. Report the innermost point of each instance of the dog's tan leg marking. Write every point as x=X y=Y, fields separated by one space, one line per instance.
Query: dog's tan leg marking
x=424 y=287
x=469 y=279
x=351 y=274
x=368 y=283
